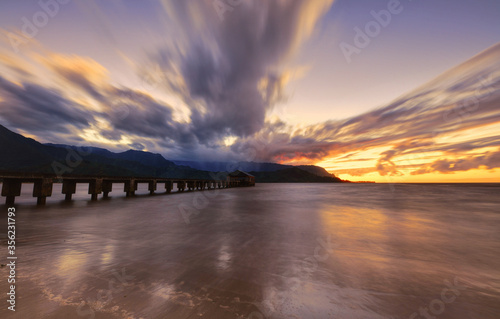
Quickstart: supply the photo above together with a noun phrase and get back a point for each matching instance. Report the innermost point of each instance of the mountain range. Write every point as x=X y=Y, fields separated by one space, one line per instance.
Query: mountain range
x=25 y=155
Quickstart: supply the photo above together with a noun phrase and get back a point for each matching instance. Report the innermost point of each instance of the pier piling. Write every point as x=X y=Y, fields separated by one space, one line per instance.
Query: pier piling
x=95 y=188
x=168 y=186
x=11 y=188
x=152 y=187
x=42 y=189
x=68 y=189
x=181 y=186
x=107 y=187
x=130 y=187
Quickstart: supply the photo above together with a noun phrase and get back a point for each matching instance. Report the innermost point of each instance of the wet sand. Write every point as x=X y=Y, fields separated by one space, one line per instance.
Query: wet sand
x=273 y=251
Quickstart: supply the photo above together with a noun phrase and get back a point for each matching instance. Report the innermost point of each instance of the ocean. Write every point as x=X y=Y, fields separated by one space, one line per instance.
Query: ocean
x=270 y=251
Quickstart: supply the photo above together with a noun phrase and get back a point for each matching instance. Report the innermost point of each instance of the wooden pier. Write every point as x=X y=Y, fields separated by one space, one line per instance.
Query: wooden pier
x=42 y=185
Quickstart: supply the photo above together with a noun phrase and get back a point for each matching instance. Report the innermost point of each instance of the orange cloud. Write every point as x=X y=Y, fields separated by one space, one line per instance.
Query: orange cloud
x=414 y=125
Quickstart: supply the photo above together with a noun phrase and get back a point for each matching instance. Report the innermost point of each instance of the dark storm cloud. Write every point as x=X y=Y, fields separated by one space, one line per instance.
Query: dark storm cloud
x=132 y=112
x=35 y=108
x=229 y=73
x=46 y=112
x=229 y=70
x=137 y=113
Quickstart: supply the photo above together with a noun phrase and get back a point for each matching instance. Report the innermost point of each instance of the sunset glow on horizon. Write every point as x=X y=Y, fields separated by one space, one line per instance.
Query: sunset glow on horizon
x=385 y=91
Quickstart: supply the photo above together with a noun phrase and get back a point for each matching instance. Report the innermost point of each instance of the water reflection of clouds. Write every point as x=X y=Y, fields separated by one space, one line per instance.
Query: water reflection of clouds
x=162 y=295
x=348 y=223
x=71 y=267
x=71 y=261
x=107 y=254
x=163 y=290
x=224 y=258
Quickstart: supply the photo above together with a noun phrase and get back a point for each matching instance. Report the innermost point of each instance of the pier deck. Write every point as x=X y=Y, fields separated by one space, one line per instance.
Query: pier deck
x=42 y=185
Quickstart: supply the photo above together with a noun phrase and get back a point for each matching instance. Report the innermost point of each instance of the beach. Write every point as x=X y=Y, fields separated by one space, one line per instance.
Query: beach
x=273 y=251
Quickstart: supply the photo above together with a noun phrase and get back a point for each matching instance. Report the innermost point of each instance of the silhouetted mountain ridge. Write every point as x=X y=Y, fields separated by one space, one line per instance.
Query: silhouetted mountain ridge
x=227 y=166
x=145 y=158
x=293 y=175
x=25 y=155
x=251 y=167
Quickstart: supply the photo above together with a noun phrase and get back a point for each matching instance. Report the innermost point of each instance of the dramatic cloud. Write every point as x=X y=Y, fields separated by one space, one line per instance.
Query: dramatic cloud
x=38 y=109
x=137 y=113
x=465 y=98
x=230 y=70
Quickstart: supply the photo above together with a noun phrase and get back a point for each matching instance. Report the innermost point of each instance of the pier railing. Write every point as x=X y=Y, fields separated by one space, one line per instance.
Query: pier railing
x=42 y=185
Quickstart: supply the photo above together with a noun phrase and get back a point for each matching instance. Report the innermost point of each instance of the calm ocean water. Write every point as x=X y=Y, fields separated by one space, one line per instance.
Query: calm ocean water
x=273 y=251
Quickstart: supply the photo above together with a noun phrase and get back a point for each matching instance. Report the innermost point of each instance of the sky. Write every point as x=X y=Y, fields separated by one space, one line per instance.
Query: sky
x=377 y=90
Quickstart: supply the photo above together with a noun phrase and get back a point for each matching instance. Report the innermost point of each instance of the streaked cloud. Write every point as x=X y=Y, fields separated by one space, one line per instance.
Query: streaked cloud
x=38 y=109
x=488 y=160
x=466 y=98
x=231 y=72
